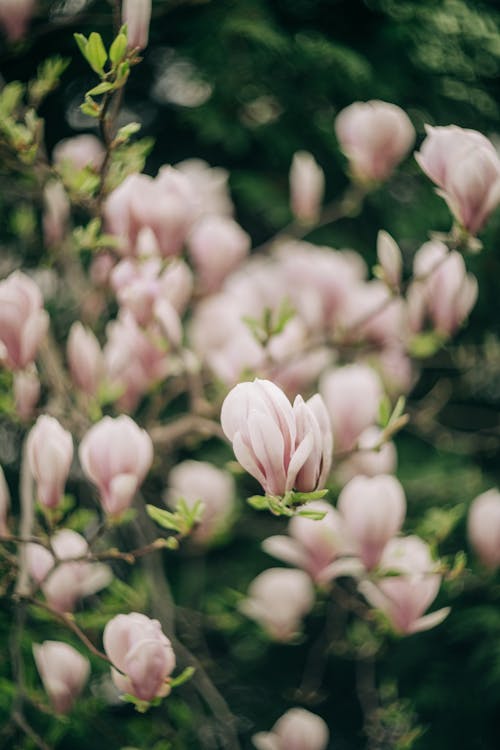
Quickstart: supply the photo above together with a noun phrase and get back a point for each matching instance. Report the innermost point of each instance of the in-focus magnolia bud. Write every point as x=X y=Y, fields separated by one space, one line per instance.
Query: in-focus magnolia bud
x=217 y=245
x=79 y=152
x=373 y=510
x=297 y=729
x=200 y=481
x=26 y=392
x=64 y=673
x=389 y=258
x=142 y=653
x=116 y=455
x=85 y=358
x=15 y=16
x=23 y=321
x=284 y=447
x=307 y=186
x=375 y=136
x=352 y=395
x=466 y=168
x=278 y=599
x=483 y=527
x=4 y=504
x=404 y=597
x=50 y=452
x=137 y=15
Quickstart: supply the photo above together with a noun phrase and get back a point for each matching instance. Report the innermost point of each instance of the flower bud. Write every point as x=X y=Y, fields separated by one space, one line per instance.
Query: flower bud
x=142 y=653
x=390 y=259
x=307 y=186
x=297 y=729
x=278 y=599
x=283 y=447
x=79 y=152
x=23 y=321
x=56 y=212
x=375 y=136
x=50 y=452
x=15 y=16
x=64 y=673
x=137 y=15
x=217 y=245
x=85 y=358
x=26 y=392
x=116 y=455
x=373 y=510
x=483 y=527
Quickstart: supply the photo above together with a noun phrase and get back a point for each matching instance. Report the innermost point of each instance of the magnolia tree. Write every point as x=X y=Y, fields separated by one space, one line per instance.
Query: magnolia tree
x=174 y=333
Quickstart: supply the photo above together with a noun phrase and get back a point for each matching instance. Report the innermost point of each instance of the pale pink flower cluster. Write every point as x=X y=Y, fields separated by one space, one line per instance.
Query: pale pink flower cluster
x=297 y=729
x=23 y=321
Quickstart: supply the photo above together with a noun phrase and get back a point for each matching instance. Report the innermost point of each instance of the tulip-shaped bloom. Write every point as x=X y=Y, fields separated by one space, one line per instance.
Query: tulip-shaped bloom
x=195 y=481
x=278 y=599
x=313 y=545
x=466 y=168
x=483 y=527
x=442 y=291
x=137 y=15
x=23 y=321
x=375 y=136
x=283 y=447
x=15 y=16
x=116 y=455
x=404 y=597
x=50 y=452
x=64 y=673
x=373 y=510
x=352 y=395
x=217 y=245
x=26 y=392
x=79 y=152
x=307 y=186
x=71 y=579
x=85 y=358
x=297 y=729
x=142 y=653
x=4 y=504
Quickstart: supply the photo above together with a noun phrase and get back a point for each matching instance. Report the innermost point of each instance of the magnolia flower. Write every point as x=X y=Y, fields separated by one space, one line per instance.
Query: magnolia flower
x=200 y=481
x=4 y=504
x=15 y=16
x=373 y=511
x=116 y=455
x=390 y=259
x=209 y=185
x=23 y=321
x=370 y=459
x=26 y=392
x=137 y=15
x=69 y=581
x=404 y=597
x=85 y=358
x=56 y=212
x=278 y=599
x=50 y=452
x=307 y=186
x=297 y=729
x=483 y=527
x=375 y=136
x=64 y=672
x=141 y=654
x=466 y=168
x=79 y=152
x=217 y=245
x=284 y=447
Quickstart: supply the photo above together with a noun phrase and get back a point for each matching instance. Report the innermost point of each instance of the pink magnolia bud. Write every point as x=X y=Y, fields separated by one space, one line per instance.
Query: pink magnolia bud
x=466 y=168
x=307 y=186
x=86 y=361
x=64 y=672
x=23 y=321
x=369 y=460
x=65 y=583
x=15 y=16
x=373 y=510
x=101 y=268
x=142 y=653
x=483 y=527
x=26 y=392
x=313 y=545
x=352 y=395
x=283 y=447
x=297 y=729
x=116 y=455
x=79 y=152
x=217 y=245
x=375 y=136
x=50 y=452
x=56 y=212
x=278 y=599
x=4 y=504
x=446 y=293
x=404 y=598
x=199 y=480
x=389 y=258
x=137 y=15
x=209 y=184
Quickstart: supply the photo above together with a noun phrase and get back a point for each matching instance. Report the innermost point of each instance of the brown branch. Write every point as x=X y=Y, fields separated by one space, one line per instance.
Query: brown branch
x=183 y=427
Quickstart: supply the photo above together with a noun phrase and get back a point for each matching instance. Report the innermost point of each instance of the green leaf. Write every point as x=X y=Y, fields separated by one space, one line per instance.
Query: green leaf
x=259 y=502
x=384 y=411
x=126 y=131
x=314 y=515
x=118 y=49
x=306 y=497
x=81 y=40
x=163 y=518
x=101 y=88
x=95 y=52
x=183 y=677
